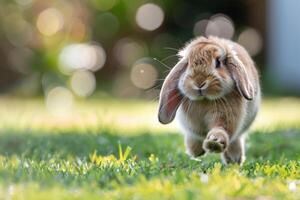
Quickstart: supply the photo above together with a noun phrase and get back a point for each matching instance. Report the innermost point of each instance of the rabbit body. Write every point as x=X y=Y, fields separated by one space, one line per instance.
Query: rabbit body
x=198 y=119
x=215 y=87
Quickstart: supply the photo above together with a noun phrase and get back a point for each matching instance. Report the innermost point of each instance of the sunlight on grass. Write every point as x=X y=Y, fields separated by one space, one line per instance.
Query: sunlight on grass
x=116 y=149
x=234 y=185
x=127 y=115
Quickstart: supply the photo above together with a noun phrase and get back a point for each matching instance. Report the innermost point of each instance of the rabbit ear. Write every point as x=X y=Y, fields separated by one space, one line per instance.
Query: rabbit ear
x=170 y=96
x=240 y=76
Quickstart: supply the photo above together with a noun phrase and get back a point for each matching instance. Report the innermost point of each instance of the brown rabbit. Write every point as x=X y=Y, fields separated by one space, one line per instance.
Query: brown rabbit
x=214 y=92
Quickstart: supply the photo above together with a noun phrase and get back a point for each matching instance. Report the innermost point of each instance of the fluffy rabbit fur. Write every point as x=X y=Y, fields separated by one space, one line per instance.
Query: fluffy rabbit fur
x=214 y=93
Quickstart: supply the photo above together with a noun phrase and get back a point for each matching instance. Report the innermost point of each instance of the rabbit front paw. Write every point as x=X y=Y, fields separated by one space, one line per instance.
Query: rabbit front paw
x=216 y=141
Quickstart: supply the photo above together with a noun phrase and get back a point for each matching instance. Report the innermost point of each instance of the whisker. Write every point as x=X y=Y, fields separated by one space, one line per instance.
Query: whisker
x=159 y=85
x=167 y=71
x=162 y=63
x=152 y=88
x=154 y=99
x=171 y=48
x=166 y=58
x=171 y=89
x=160 y=79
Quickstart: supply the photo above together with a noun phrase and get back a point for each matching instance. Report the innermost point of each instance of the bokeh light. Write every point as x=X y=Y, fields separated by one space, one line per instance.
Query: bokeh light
x=78 y=30
x=143 y=75
x=220 y=25
x=24 y=3
x=127 y=51
x=18 y=31
x=251 y=40
x=100 y=57
x=49 y=81
x=83 y=83
x=149 y=16
x=200 y=27
x=107 y=25
x=65 y=38
x=81 y=56
x=59 y=100
x=50 y=21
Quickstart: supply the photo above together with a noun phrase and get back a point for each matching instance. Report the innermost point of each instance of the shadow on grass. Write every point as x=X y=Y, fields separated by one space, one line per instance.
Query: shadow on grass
x=263 y=146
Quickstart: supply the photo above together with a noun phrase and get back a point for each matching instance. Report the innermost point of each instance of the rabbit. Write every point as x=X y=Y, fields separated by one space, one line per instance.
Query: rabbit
x=214 y=93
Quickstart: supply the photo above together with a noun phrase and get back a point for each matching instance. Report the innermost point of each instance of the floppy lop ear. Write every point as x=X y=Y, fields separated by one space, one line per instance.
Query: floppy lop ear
x=170 y=96
x=241 y=77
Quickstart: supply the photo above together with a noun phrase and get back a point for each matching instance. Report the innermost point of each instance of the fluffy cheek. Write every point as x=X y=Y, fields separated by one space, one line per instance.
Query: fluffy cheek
x=225 y=84
x=228 y=85
x=186 y=85
x=214 y=90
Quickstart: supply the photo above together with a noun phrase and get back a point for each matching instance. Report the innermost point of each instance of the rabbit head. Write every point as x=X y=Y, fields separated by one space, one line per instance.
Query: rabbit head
x=208 y=69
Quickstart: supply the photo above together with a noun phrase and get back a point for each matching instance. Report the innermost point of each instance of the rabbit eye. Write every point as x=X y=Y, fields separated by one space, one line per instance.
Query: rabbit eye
x=218 y=63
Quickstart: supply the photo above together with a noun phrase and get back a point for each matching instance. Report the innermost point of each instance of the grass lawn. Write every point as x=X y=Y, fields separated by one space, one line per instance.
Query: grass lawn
x=116 y=149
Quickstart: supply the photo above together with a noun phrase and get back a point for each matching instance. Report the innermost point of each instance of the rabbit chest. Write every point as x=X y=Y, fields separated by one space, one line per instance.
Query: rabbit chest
x=198 y=117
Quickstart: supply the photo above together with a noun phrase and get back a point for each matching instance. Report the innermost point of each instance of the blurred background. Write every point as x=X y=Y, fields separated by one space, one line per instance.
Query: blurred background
x=63 y=50
x=79 y=83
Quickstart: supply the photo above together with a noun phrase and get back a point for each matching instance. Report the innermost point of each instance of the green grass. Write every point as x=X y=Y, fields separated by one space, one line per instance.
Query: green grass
x=115 y=149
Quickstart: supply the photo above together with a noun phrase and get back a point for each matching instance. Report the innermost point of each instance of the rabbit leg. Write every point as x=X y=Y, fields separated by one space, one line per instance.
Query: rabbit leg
x=235 y=153
x=193 y=146
x=216 y=140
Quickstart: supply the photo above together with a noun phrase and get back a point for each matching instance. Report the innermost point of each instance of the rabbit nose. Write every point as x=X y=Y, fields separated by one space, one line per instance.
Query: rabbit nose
x=200 y=92
x=202 y=85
